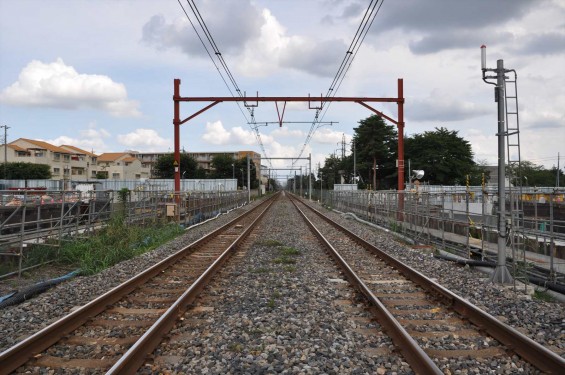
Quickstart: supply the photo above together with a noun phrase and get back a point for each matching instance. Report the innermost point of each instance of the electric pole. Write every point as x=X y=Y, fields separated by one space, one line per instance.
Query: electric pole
x=6 y=127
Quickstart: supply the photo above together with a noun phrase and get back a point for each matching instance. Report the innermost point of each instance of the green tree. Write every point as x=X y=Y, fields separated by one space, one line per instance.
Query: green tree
x=445 y=157
x=26 y=171
x=240 y=171
x=537 y=175
x=165 y=168
x=223 y=166
x=376 y=148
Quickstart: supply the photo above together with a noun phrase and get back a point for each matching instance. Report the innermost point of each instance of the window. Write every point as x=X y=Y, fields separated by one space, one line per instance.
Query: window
x=137 y=176
x=66 y=157
x=56 y=171
x=57 y=156
x=116 y=176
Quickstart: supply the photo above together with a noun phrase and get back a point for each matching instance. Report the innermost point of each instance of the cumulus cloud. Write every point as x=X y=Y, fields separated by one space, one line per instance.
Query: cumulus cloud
x=144 y=139
x=58 y=85
x=543 y=44
x=232 y=25
x=303 y=54
x=257 y=46
x=286 y=132
x=91 y=139
x=216 y=134
x=443 y=107
x=329 y=136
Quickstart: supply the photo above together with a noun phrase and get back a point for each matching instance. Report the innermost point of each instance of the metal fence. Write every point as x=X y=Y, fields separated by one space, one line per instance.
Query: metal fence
x=49 y=217
x=209 y=185
x=465 y=218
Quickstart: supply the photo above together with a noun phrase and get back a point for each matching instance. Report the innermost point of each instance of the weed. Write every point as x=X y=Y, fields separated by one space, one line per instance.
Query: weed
x=271 y=243
x=290 y=268
x=115 y=243
x=284 y=260
x=271 y=303
x=235 y=347
x=543 y=296
x=276 y=294
x=288 y=251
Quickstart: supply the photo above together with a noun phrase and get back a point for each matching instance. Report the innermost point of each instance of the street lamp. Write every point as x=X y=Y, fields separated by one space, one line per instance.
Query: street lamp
x=233 y=171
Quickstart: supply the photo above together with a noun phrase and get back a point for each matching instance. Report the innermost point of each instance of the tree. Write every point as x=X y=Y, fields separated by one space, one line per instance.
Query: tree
x=537 y=175
x=376 y=148
x=223 y=165
x=26 y=171
x=165 y=168
x=445 y=157
x=240 y=171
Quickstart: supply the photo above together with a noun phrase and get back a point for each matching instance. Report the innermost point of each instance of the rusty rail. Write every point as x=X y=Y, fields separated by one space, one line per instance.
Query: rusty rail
x=22 y=352
x=534 y=353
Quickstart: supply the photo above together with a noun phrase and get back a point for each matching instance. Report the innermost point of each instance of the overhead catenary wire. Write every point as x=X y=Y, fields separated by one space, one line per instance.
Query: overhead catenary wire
x=222 y=62
x=364 y=27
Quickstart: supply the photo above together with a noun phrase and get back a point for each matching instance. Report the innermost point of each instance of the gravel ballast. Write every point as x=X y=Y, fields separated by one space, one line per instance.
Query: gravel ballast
x=281 y=306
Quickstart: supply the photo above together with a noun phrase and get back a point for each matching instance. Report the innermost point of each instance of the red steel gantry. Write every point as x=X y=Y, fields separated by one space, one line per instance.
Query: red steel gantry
x=177 y=122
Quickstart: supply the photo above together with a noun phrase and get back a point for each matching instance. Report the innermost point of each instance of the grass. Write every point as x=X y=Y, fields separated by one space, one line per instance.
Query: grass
x=271 y=303
x=543 y=296
x=290 y=268
x=236 y=347
x=270 y=243
x=288 y=251
x=284 y=260
x=115 y=243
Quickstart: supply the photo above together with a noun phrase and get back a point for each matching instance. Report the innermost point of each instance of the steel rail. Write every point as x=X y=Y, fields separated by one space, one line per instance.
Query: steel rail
x=130 y=361
x=531 y=351
x=414 y=354
x=22 y=352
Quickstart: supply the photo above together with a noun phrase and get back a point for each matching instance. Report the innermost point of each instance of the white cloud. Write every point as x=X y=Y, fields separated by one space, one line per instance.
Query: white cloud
x=216 y=134
x=442 y=106
x=144 y=139
x=58 y=85
x=329 y=136
x=91 y=139
x=242 y=136
x=286 y=132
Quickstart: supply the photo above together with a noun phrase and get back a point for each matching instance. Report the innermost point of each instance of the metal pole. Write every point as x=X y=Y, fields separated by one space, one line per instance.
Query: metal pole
x=354 y=164
x=501 y=274
x=310 y=177
x=301 y=182
x=6 y=127
x=176 y=125
x=248 y=181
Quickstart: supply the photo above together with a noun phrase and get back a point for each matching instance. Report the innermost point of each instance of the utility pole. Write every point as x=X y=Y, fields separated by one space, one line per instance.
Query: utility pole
x=558 y=172
x=501 y=275
x=310 y=177
x=6 y=127
x=248 y=181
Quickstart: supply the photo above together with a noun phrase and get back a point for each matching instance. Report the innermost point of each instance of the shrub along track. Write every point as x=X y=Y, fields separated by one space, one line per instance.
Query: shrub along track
x=427 y=322
x=120 y=327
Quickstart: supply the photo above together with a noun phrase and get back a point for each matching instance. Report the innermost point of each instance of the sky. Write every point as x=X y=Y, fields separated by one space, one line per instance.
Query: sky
x=98 y=74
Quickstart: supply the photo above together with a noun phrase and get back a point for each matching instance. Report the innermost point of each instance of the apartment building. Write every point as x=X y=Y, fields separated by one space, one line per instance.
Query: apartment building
x=204 y=159
x=66 y=163
x=121 y=166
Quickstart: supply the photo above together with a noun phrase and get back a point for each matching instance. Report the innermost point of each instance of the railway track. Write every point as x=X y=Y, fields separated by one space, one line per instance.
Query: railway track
x=125 y=324
x=419 y=313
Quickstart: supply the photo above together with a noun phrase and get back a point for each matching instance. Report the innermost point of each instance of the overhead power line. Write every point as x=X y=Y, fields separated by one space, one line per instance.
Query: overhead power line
x=364 y=27
x=216 y=52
